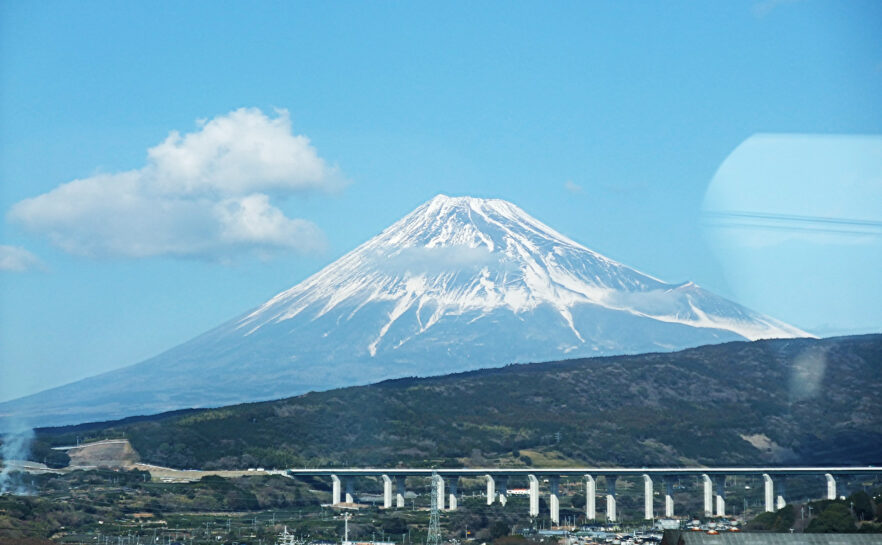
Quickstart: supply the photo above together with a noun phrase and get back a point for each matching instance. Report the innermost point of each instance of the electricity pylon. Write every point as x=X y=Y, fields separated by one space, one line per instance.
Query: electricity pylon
x=434 y=535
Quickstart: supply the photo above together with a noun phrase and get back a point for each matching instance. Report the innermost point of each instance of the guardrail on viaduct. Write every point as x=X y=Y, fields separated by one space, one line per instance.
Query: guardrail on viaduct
x=713 y=480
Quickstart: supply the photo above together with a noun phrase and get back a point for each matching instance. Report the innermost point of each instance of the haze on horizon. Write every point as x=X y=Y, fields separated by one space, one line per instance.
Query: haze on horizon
x=159 y=186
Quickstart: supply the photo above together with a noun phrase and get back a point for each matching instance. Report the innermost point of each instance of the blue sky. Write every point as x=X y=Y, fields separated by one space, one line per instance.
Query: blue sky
x=608 y=121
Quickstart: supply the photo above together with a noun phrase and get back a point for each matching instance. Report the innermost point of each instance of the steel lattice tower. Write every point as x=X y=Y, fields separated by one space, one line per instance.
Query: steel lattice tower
x=434 y=535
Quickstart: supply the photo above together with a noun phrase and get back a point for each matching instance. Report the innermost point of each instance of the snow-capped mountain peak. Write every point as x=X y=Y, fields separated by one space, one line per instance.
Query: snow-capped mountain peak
x=457 y=256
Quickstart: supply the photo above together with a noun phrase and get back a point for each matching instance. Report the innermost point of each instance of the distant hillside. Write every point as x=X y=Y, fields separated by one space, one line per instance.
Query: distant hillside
x=803 y=401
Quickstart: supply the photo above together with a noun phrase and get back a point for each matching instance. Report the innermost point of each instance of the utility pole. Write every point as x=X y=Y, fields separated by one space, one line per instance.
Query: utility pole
x=346 y=517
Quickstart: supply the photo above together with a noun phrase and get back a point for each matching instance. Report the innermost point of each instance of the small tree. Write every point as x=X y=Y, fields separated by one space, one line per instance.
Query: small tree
x=395 y=525
x=778 y=521
x=834 y=519
x=498 y=529
x=862 y=505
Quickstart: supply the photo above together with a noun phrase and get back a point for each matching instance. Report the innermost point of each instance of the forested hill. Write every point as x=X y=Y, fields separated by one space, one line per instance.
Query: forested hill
x=802 y=401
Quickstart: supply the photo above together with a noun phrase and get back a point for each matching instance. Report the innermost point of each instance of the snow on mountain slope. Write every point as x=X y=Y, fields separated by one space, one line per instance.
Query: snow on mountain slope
x=457 y=284
x=455 y=255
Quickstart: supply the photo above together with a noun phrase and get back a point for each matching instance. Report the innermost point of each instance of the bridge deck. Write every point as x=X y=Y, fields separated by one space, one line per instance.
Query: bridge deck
x=580 y=471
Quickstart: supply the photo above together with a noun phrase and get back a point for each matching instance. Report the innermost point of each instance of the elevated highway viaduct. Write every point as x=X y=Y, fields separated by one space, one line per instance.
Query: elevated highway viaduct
x=712 y=478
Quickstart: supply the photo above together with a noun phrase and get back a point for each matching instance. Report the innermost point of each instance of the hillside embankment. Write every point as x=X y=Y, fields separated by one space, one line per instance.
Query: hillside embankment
x=119 y=454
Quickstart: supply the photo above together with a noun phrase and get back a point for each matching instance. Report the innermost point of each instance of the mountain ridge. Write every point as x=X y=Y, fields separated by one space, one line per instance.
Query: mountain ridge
x=769 y=402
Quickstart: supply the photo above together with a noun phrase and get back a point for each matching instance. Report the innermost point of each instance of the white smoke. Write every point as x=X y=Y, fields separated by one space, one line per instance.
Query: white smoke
x=16 y=447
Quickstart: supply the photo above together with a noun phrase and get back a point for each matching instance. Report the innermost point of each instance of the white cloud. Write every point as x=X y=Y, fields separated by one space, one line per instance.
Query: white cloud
x=573 y=187
x=17 y=259
x=202 y=194
x=253 y=220
x=440 y=259
x=240 y=153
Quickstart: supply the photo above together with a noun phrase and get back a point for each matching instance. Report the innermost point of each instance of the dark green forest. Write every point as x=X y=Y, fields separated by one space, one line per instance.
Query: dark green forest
x=794 y=401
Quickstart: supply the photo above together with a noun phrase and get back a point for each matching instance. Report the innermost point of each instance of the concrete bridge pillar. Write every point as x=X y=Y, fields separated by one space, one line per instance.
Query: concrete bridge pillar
x=335 y=490
x=399 y=492
x=554 y=500
x=611 y=497
x=491 y=490
x=708 y=495
x=534 y=495
x=768 y=493
x=439 y=483
x=831 y=486
x=648 y=512
x=502 y=489
x=451 y=498
x=669 y=497
x=780 y=502
x=387 y=492
x=350 y=497
x=721 y=495
x=590 y=498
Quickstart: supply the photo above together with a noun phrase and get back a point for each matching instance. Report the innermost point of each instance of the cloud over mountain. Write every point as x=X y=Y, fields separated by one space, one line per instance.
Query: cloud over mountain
x=204 y=194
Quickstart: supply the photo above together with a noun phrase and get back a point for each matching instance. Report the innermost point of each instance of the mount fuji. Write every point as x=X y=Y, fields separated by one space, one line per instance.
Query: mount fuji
x=458 y=284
